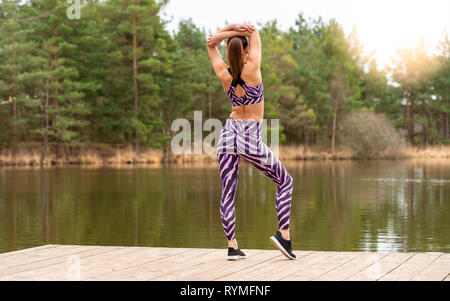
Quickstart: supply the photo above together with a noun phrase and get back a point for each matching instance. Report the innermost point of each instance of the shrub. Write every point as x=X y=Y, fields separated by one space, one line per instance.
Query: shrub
x=370 y=135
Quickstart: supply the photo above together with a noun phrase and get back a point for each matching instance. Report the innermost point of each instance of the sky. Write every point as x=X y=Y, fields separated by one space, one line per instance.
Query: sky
x=382 y=25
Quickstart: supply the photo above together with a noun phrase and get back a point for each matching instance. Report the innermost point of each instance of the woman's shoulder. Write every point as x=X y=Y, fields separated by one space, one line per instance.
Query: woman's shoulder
x=251 y=74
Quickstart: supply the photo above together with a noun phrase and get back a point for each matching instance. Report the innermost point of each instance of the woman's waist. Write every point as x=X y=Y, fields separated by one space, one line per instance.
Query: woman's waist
x=240 y=126
x=253 y=112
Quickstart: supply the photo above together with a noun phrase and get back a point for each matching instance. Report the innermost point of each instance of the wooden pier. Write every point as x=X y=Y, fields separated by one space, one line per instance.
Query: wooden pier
x=76 y=262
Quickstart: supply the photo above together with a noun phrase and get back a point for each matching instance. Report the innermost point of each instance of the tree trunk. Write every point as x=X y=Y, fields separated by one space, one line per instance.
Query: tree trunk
x=305 y=140
x=44 y=150
x=14 y=128
x=410 y=122
x=333 y=135
x=209 y=93
x=55 y=62
x=446 y=126
x=424 y=127
x=412 y=128
x=135 y=85
x=430 y=138
x=13 y=99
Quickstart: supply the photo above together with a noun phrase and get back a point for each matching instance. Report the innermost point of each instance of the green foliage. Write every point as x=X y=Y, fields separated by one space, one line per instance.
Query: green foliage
x=118 y=76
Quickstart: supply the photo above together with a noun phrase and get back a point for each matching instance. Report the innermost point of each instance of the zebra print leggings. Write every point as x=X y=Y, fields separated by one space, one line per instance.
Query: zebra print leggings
x=241 y=138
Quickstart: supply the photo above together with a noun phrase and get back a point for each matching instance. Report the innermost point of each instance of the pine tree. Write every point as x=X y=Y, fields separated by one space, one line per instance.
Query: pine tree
x=441 y=83
x=19 y=75
x=138 y=61
x=64 y=111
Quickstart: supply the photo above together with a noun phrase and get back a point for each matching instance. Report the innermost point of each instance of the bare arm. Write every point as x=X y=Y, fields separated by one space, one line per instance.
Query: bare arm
x=254 y=52
x=229 y=27
x=218 y=37
x=237 y=27
x=220 y=68
x=216 y=60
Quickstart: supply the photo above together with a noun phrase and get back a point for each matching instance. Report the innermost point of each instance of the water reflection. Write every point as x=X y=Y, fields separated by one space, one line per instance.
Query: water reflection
x=400 y=206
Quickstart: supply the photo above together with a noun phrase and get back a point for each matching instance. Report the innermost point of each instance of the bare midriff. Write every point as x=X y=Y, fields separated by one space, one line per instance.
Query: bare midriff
x=249 y=112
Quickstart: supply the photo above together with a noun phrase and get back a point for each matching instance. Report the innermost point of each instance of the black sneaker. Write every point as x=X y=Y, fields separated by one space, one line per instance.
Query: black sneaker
x=234 y=254
x=285 y=246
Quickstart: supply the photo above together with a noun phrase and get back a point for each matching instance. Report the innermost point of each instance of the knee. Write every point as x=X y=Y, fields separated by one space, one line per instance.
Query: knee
x=225 y=213
x=288 y=180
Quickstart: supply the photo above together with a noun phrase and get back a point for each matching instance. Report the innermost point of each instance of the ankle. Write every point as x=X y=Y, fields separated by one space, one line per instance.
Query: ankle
x=285 y=234
x=233 y=244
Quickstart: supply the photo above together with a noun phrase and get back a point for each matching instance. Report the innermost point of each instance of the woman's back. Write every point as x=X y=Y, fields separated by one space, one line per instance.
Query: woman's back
x=246 y=90
x=250 y=94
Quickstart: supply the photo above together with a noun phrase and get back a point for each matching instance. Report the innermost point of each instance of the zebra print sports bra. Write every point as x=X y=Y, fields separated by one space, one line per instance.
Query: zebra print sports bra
x=253 y=94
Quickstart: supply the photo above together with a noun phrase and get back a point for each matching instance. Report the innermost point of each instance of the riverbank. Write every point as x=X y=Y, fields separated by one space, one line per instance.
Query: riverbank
x=30 y=155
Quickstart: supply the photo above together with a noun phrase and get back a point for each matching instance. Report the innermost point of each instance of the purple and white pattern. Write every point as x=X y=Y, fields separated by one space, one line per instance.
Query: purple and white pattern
x=242 y=139
x=253 y=94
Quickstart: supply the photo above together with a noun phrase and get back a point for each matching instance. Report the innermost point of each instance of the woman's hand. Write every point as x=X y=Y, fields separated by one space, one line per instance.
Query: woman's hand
x=239 y=30
x=244 y=28
x=214 y=40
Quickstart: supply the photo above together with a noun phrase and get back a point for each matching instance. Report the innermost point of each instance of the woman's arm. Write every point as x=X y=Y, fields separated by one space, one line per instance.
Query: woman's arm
x=254 y=51
x=237 y=27
x=229 y=27
x=218 y=37
x=220 y=68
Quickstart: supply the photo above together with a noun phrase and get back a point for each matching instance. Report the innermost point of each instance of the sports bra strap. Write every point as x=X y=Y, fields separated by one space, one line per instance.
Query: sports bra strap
x=239 y=80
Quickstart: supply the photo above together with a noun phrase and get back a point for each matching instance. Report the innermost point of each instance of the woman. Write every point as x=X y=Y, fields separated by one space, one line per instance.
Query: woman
x=241 y=135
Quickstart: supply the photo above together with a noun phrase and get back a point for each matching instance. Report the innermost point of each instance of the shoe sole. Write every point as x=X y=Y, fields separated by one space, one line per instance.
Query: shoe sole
x=277 y=244
x=236 y=257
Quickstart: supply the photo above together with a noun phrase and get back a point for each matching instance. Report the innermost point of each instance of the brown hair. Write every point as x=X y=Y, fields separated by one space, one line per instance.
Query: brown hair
x=235 y=54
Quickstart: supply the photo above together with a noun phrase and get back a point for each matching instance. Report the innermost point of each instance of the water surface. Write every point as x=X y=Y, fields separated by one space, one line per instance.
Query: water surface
x=397 y=206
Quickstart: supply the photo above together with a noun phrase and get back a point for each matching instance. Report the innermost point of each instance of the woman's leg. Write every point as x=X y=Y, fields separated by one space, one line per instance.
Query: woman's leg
x=228 y=164
x=264 y=160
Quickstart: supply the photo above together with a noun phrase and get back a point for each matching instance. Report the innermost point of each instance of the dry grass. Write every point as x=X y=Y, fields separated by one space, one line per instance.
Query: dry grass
x=298 y=152
x=408 y=152
x=429 y=152
x=128 y=155
x=29 y=155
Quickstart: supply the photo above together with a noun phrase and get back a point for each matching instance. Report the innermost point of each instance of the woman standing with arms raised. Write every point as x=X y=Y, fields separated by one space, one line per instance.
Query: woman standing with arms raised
x=241 y=135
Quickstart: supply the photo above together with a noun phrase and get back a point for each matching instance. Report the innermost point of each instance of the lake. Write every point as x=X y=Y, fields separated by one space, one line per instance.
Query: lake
x=375 y=205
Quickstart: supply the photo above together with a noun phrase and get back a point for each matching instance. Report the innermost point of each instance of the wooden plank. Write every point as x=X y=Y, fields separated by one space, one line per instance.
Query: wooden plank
x=438 y=270
x=322 y=267
x=104 y=264
x=381 y=267
x=221 y=267
x=262 y=270
x=158 y=266
x=410 y=268
x=76 y=262
x=106 y=272
x=25 y=257
x=42 y=254
x=55 y=264
x=351 y=267
x=185 y=272
x=217 y=265
x=94 y=260
x=299 y=264
x=27 y=250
